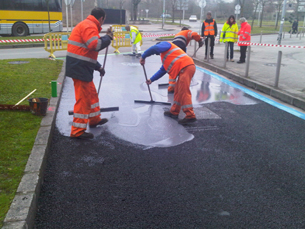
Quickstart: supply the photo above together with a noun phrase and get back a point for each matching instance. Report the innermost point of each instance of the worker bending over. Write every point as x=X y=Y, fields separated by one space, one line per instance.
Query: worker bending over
x=135 y=38
x=179 y=65
x=83 y=47
x=182 y=39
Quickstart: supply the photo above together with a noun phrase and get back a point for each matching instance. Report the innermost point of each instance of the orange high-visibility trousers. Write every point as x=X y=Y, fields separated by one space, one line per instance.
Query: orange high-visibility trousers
x=86 y=107
x=172 y=84
x=182 y=95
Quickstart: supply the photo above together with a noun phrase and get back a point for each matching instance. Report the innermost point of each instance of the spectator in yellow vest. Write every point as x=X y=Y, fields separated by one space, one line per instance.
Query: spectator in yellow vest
x=229 y=34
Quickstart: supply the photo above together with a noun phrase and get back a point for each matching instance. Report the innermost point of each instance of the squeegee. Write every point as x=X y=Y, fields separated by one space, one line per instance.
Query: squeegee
x=151 y=99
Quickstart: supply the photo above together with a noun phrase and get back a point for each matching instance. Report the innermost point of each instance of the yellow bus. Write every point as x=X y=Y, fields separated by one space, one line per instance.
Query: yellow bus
x=24 y=17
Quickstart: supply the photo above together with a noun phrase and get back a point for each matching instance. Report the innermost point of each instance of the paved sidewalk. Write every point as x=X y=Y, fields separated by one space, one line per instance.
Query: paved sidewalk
x=263 y=63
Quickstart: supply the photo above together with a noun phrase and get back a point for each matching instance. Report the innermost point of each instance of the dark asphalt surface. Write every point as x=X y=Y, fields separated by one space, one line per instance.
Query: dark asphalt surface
x=245 y=170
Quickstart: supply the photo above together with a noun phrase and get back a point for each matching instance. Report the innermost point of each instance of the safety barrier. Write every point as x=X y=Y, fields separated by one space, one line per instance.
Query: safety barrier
x=121 y=38
x=56 y=42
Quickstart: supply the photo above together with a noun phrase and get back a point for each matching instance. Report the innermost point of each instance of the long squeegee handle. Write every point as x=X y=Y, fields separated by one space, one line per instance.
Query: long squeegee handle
x=147 y=84
x=105 y=109
x=99 y=86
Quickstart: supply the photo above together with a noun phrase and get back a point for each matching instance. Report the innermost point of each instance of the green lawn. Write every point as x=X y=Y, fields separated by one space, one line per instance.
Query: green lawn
x=19 y=129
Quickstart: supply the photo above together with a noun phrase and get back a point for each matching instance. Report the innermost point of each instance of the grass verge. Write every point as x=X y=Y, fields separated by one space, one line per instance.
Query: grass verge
x=19 y=129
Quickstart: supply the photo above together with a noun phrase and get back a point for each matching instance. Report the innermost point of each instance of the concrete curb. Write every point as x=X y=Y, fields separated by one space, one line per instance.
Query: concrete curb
x=24 y=205
x=274 y=92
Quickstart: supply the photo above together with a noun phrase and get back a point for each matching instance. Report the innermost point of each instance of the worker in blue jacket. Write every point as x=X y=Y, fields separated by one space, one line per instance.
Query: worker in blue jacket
x=179 y=65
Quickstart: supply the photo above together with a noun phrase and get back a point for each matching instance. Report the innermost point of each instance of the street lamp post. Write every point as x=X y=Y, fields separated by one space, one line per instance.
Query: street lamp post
x=67 y=2
x=82 y=9
x=279 y=39
x=163 y=14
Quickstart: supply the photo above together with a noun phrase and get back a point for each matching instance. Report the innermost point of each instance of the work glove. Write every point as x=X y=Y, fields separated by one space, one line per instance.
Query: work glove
x=201 y=42
x=102 y=72
x=110 y=33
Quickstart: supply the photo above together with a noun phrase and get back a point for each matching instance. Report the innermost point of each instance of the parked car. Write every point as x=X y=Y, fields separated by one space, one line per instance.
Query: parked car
x=193 y=18
x=166 y=15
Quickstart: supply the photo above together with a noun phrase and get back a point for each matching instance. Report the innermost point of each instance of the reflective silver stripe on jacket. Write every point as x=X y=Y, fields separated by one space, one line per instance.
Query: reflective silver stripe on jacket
x=94 y=114
x=94 y=105
x=187 y=106
x=180 y=38
x=248 y=33
x=82 y=116
x=77 y=44
x=79 y=125
x=175 y=102
x=170 y=52
x=172 y=80
x=99 y=45
x=91 y=39
x=172 y=63
x=81 y=57
x=231 y=38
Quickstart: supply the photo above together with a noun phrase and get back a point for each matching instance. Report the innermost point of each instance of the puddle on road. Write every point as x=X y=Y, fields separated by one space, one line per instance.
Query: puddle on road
x=209 y=89
x=140 y=123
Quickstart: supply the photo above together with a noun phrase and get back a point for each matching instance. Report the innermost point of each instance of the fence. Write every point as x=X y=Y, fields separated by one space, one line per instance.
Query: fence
x=56 y=42
x=121 y=38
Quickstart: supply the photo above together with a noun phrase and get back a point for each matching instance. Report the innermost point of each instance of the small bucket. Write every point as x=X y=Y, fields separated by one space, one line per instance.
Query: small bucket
x=38 y=106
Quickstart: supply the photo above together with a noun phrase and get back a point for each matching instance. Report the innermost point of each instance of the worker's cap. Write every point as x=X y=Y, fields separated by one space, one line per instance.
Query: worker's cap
x=242 y=19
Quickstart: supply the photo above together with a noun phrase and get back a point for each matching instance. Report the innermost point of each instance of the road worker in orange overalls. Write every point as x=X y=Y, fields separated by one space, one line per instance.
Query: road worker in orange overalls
x=178 y=64
x=182 y=39
x=83 y=47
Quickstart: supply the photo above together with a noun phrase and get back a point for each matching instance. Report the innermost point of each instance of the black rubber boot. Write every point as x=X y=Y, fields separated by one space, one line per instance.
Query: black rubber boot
x=86 y=135
x=169 y=114
x=186 y=121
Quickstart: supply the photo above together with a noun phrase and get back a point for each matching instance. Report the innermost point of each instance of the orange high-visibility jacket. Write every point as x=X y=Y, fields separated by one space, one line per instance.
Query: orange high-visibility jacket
x=244 y=34
x=83 y=47
x=183 y=38
x=174 y=60
x=209 y=28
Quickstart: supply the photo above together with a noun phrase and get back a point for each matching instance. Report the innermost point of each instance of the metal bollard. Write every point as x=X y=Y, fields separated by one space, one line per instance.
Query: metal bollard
x=278 y=69
x=290 y=33
x=260 y=40
x=248 y=62
x=225 y=55
x=195 y=49
x=208 y=49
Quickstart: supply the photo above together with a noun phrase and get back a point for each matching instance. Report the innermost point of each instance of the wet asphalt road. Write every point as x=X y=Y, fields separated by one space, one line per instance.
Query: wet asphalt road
x=245 y=170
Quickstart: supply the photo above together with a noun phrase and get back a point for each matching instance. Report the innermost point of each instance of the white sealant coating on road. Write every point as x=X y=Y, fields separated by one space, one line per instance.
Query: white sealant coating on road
x=143 y=124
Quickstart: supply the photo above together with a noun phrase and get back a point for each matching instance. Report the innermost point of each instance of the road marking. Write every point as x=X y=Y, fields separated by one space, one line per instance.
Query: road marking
x=256 y=95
